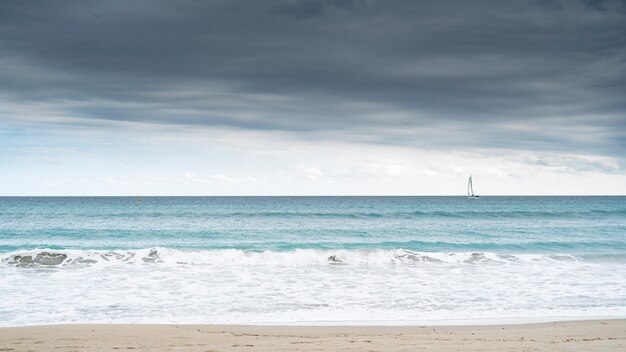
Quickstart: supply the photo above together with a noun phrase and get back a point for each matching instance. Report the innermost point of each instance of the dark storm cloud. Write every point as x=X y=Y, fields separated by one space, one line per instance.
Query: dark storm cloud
x=312 y=8
x=547 y=75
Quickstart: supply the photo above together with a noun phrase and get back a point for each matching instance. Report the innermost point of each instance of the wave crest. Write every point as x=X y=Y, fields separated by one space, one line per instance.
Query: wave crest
x=232 y=257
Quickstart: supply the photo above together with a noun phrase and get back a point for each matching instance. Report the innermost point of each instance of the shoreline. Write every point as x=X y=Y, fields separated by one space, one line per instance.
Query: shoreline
x=465 y=322
x=572 y=335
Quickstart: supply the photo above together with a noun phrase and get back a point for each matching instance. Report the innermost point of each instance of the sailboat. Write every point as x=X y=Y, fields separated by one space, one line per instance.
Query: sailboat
x=470 y=189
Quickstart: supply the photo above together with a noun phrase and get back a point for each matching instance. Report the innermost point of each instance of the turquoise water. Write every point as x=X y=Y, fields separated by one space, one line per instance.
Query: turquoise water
x=434 y=224
x=309 y=260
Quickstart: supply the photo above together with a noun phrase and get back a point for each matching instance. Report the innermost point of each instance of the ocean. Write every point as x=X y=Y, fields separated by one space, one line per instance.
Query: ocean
x=311 y=260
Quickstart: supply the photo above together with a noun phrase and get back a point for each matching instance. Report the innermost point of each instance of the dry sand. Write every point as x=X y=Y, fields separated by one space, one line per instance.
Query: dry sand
x=600 y=335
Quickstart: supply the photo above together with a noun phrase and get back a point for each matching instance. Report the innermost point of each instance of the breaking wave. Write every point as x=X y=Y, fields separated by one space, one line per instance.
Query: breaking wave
x=299 y=257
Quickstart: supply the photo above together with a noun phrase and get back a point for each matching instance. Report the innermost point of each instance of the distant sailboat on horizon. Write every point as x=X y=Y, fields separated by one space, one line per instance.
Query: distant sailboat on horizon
x=470 y=189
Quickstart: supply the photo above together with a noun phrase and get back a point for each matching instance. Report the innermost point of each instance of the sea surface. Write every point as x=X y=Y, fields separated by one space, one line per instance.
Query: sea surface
x=311 y=260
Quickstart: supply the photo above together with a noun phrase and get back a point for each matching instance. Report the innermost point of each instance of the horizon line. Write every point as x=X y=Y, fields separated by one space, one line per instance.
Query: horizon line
x=304 y=195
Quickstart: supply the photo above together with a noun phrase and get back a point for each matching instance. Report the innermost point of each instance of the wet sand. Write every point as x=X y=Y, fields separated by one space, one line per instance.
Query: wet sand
x=594 y=335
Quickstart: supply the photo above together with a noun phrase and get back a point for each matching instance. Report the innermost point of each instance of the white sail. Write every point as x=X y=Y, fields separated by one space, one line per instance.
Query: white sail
x=470 y=189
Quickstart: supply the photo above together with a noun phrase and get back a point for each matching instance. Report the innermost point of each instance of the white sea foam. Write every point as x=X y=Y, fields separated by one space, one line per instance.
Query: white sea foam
x=306 y=286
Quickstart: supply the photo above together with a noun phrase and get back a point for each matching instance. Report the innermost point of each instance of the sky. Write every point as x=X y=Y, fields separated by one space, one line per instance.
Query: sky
x=304 y=97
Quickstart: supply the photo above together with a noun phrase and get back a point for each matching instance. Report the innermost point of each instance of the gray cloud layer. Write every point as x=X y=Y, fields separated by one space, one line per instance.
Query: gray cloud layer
x=547 y=75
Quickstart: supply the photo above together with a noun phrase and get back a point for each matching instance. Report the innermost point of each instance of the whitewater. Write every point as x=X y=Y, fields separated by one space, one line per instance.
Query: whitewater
x=311 y=260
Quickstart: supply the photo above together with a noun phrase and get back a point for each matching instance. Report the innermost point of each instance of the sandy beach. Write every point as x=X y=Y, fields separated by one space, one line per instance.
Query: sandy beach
x=595 y=335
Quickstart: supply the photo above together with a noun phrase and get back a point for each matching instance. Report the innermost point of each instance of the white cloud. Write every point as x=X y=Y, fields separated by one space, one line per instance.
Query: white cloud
x=228 y=162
